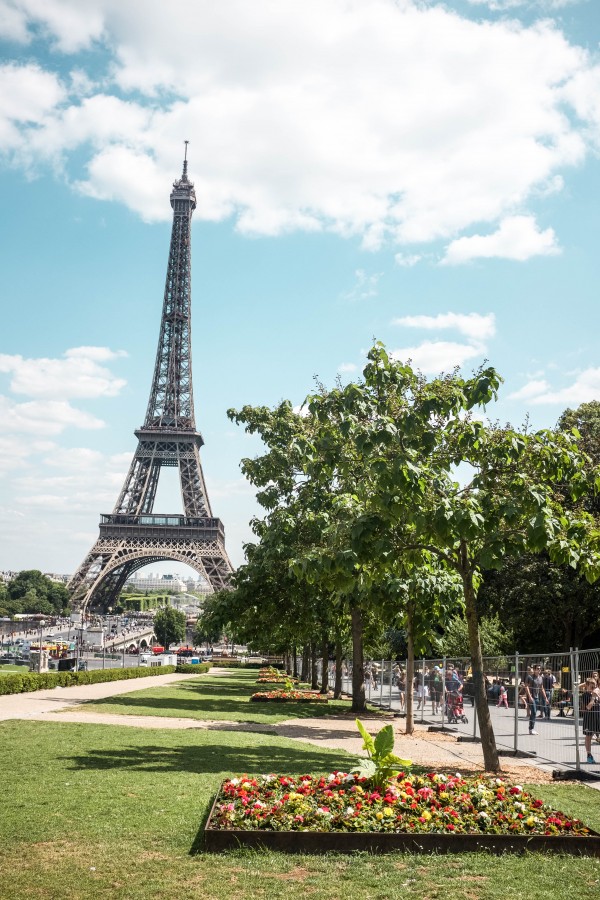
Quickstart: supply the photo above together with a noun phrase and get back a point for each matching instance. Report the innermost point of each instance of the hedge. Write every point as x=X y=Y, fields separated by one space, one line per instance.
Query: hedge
x=226 y=662
x=189 y=669
x=34 y=681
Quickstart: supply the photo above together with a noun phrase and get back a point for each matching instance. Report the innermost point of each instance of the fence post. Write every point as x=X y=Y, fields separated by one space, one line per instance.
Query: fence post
x=423 y=697
x=390 y=684
x=443 y=690
x=516 y=737
x=575 y=678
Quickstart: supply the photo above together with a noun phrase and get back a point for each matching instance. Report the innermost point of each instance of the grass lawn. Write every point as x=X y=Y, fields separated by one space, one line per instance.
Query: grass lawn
x=213 y=697
x=95 y=811
x=8 y=669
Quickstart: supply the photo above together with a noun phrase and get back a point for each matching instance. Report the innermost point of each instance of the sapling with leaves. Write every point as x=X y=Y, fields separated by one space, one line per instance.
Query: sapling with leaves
x=381 y=763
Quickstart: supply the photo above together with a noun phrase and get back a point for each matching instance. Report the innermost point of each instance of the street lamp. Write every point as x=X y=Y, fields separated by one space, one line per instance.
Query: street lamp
x=42 y=625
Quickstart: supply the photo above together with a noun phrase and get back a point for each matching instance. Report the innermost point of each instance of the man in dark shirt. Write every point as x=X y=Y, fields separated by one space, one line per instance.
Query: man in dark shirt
x=535 y=693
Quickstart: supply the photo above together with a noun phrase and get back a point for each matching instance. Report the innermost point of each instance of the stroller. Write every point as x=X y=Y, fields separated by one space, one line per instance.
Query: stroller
x=454 y=708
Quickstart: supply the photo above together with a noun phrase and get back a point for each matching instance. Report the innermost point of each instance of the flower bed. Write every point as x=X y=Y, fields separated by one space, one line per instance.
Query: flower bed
x=287 y=696
x=272 y=679
x=423 y=812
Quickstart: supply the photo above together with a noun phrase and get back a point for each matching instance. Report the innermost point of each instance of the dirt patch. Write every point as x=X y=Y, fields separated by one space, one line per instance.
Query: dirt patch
x=298 y=873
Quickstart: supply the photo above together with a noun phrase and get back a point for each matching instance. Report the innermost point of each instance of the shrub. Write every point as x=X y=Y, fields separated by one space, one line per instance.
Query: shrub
x=34 y=681
x=189 y=669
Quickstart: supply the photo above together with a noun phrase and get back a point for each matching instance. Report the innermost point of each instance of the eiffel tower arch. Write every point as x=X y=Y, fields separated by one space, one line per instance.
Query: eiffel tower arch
x=133 y=535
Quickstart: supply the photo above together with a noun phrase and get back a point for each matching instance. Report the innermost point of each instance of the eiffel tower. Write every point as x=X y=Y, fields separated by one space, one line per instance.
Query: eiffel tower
x=133 y=535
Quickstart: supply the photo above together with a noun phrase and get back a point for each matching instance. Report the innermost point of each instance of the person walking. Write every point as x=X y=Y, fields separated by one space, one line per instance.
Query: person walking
x=436 y=689
x=590 y=704
x=502 y=695
x=535 y=691
x=548 y=683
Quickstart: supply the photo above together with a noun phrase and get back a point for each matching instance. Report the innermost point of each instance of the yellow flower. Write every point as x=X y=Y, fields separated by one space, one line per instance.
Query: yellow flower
x=387 y=812
x=426 y=815
x=379 y=815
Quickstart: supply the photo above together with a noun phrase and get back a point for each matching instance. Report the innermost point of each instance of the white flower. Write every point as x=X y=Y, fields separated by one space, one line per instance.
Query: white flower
x=331 y=778
x=349 y=811
x=235 y=781
x=483 y=803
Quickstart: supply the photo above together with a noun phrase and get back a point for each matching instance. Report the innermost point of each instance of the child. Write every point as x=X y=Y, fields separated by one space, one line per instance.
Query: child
x=502 y=696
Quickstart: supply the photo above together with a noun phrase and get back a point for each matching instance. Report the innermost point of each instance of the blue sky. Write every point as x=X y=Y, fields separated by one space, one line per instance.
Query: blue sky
x=422 y=173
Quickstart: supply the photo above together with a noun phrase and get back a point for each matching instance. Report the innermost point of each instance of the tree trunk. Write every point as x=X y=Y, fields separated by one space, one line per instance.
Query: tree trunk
x=410 y=670
x=358 y=663
x=295 y=661
x=314 y=678
x=339 y=663
x=325 y=659
x=305 y=659
x=491 y=759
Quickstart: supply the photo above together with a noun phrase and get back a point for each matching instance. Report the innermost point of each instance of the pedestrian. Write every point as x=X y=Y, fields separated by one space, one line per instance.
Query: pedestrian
x=502 y=695
x=436 y=689
x=401 y=681
x=590 y=704
x=419 y=685
x=549 y=683
x=535 y=692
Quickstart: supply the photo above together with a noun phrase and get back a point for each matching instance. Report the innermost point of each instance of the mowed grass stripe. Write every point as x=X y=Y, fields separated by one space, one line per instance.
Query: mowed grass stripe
x=216 y=697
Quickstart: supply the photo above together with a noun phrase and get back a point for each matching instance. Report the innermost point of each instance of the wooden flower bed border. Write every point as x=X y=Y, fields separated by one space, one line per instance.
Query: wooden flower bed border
x=217 y=840
x=314 y=699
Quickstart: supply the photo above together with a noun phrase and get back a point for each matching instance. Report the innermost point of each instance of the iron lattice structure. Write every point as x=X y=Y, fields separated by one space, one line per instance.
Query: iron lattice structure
x=133 y=536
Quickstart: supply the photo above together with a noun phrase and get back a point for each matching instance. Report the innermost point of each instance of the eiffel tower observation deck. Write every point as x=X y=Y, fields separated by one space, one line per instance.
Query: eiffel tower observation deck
x=133 y=535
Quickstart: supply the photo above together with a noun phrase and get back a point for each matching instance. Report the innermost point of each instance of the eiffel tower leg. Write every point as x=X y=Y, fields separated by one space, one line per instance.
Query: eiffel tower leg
x=193 y=488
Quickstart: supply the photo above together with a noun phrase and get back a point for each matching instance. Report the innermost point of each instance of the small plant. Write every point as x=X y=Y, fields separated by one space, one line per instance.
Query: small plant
x=381 y=763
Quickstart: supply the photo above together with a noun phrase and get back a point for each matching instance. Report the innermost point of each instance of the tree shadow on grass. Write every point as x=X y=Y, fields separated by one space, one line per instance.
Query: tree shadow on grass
x=212 y=758
x=196 y=701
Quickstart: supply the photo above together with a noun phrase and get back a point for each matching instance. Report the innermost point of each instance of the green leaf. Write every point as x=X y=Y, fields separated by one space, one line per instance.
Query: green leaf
x=384 y=741
x=369 y=743
x=366 y=769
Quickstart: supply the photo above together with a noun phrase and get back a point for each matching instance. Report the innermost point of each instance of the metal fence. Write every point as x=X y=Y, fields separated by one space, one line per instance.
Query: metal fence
x=552 y=723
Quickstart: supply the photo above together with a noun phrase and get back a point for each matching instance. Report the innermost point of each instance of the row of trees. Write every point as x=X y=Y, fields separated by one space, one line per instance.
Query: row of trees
x=386 y=501
x=32 y=592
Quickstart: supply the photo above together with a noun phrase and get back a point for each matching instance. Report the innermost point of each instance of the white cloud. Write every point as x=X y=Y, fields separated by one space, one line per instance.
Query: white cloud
x=355 y=116
x=73 y=25
x=347 y=367
x=28 y=96
x=472 y=325
x=48 y=417
x=433 y=357
x=517 y=238
x=407 y=260
x=586 y=387
x=542 y=5
x=533 y=388
x=365 y=286
x=76 y=375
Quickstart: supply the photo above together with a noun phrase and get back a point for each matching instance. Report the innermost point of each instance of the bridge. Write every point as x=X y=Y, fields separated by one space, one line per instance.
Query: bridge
x=132 y=638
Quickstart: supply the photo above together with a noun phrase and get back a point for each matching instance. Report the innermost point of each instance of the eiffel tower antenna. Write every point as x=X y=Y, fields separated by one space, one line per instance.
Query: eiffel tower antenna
x=133 y=535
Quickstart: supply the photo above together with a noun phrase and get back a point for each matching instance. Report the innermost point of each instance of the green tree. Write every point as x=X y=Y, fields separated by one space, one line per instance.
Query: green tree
x=410 y=435
x=496 y=639
x=169 y=626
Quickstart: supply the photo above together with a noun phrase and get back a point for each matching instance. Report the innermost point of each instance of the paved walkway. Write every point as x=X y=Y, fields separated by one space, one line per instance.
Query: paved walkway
x=37 y=704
